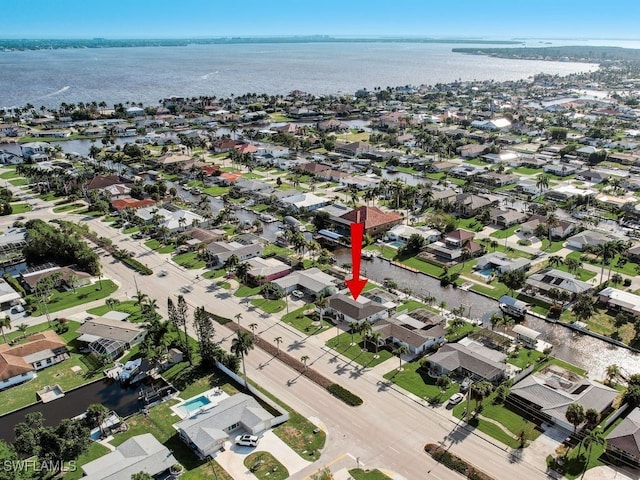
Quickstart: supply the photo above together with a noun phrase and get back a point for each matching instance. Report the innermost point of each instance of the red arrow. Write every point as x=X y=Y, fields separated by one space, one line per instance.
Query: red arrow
x=355 y=284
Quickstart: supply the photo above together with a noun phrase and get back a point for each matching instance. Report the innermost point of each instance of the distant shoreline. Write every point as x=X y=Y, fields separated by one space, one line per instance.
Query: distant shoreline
x=569 y=53
x=56 y=44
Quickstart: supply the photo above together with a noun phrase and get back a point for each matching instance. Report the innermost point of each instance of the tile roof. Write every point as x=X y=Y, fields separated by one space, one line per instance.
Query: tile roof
x=353 y=309
x=371 y=216
x=12 y=358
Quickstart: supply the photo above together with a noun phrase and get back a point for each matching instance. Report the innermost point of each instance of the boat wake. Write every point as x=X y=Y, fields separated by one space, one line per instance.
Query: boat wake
x=62 y=90
x=204 y=77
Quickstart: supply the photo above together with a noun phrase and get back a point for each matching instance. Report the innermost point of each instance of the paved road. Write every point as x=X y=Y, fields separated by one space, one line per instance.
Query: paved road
x=388 y=431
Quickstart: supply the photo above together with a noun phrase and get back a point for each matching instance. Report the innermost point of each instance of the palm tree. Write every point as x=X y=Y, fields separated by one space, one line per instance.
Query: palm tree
x=238 y=317
x=304 y=359
x=479 y=391
x=253 y=327
x=555 y=261
x=242 y=270
x=140 y=298
x=375 y=337
x=552 y=222
x=542 y=182
x=401 y=350
x=573 y=264
x=594 y=437
x=321 y=304
x=240 y=347
x=355 y=328
x=613 y=373
x=278 y=341
x=574 y=415
x=5 y=323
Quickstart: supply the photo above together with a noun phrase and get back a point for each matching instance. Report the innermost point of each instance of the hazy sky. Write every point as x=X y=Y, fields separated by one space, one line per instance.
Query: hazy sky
x=211 y=18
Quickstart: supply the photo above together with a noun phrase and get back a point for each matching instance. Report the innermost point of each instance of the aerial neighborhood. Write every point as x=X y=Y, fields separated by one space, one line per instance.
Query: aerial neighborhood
x=179 y=276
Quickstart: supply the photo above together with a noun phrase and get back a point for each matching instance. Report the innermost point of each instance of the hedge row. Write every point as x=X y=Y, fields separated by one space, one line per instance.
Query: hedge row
x=136 y=265
x=455 y=463
x=345 y=395
x=316 y=377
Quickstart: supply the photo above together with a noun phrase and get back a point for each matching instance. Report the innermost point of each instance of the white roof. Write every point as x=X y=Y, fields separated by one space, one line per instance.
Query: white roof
x=305 y=200
x=622 y=298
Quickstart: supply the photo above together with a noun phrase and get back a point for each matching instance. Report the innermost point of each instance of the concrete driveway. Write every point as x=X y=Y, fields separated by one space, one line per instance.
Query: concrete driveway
x=232 y=459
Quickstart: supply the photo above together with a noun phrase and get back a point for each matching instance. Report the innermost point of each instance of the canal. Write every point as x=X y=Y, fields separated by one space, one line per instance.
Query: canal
x=123 y=400
x=588 y=352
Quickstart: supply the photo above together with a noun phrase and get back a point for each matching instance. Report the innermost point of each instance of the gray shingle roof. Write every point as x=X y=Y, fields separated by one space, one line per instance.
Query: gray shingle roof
x=453 y=356
x=626 y=436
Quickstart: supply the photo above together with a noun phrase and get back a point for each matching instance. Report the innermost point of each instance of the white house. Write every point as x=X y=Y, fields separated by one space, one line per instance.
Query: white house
x=402 y=233
x=312 y=281
x=308 y=201
x=620 y=300
x=345 y=308
x=35 y=150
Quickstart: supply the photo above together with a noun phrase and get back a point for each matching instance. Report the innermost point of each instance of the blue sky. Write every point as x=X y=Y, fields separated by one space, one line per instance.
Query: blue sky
x=210 y=18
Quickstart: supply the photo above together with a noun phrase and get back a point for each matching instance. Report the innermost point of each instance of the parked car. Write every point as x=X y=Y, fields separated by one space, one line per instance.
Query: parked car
x=247 y=440
x=163 y=273
x=456 y=398
x=187 y=288
x=297 y=294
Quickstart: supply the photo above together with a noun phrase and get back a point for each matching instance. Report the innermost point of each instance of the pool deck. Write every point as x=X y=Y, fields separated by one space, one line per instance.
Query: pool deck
x=214 y=395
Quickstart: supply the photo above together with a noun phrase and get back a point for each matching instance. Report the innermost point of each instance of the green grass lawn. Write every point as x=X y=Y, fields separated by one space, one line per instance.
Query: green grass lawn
x=416 y=380
x=94 y=451
x=272 y=249
x=216 y=191
x=412 y=305
x=128 y=306
x=265 y=467
x=582 y=273
x=214 y=273
x=19 y=182
x=246 y=291
x=279 y=117
x=524 y=357
x=617 y=264
x=18 y=208
x=525 y=170
x=67 y=208
x=160 y=247
x=269 y=306
x=9 y=174
x=424 y=267
x=302 y=320
x=360 y=474
x=189 y=260
x=133 y=229
x=63 y=300
x=252 y=176
x=342 y=345
x=260 y=208
x=505 y=233
x=470 y=224
x=556 y=245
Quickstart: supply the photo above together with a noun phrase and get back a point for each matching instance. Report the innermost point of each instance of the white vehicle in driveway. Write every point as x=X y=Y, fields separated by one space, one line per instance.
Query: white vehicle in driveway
x=456 y=398
x=246 y=440
x=297 y=294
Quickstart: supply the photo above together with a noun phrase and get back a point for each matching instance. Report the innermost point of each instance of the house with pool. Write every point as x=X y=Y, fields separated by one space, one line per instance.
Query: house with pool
x=212 y=418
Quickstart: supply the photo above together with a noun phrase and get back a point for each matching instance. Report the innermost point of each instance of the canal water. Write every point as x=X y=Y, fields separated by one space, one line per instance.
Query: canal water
x=123 y=400
x=588 y=352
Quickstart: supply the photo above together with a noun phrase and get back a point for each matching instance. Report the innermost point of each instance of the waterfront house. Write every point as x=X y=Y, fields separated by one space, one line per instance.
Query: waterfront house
x=468 y=359
x=345 y=308
x=8 y=296
x=560 y=231
x=19 y=363
x=619 y=300
x=402 y=233
x=8 y=158
x=418 y=330
x=496 y=261
x=376 y=222
x=35 y=151
x=547 y=394
x=110 y=336
x=171 y=217
x=451 y=246
x=549 y=278
x=311 y=281
x=198 y=236
x=120 y=204
x=624 y=440
x=141 y=453
x=589 y=237
x=266 y=269
x=468 y=204
x=353 y=149
x=306 y=201
x=208 y=430
x=527 y=336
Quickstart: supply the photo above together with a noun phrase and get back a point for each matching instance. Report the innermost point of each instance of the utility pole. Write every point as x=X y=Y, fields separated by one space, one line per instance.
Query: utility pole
x=466 y=415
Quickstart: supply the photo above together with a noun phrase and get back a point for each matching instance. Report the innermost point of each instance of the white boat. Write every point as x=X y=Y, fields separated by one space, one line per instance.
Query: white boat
x=129 y=370
x=265 y=217
x=368 y=255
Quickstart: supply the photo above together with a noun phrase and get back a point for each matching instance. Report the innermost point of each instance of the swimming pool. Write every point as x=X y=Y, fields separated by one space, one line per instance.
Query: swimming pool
x=486 y=272
x=396 y=244
x=195 y=404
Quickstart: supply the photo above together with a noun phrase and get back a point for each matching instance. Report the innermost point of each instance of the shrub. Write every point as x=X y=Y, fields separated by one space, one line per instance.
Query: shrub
x=345 y=395
x=455 y=463
x=627 y=282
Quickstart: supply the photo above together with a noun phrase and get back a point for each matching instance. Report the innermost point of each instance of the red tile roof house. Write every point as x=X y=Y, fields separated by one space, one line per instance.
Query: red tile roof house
x=246 y=148
x=19 y=363
x=376 y=222
x=122 y=203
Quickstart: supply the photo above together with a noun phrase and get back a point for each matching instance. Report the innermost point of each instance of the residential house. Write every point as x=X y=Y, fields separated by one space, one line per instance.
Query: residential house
x=501 y=263
x=562 y=193
x=141 y=453
x=376 y=221
x=620 y=300
x=219 y=252
x=402 y=233
x=332 y=125
x=306 y=201
x=589 y=237
x=267 y=269
x=624 y=440
x=451 y=247
x=19 y=363
x=311 y=281
x=469 y=204
x=199 y=236
x=8 y=296
x=592 y=176
x=345 y=308
x=353 y=149
x=8 y=158
x=498 y=179
x=471 y=150
x=545 y=280
x=466 y=171
x=207 y=431
x=468 y=359
x=549 y=392
x=527 y=336
x=110 y=336
x=114 y=185
x=418 y=330
x=560 y=169
x=170 y=217
x=120 y=204
x=35 y=151
x=506 y=218
x=561 y=230
x=68 y=277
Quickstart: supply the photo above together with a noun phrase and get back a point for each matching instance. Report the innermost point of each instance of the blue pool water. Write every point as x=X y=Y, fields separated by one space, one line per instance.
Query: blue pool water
x=486 y=272
x=396 y=244
x=195 y=404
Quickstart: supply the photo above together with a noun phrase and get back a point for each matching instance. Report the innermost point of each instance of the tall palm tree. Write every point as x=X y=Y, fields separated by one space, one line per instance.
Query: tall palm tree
x=238 y=317
x=304 y=359
x=542 y=182
x=253 y=327
x=555 y=261
x=240 y=347
x=140 y=298
x=375 y=338
x=5 y=323
x=278 y=341
x=401 y=350
x=321 y=304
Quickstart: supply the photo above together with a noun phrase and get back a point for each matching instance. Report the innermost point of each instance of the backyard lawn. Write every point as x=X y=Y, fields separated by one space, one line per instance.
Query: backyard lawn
x=63 y=300
x=303 y=322
x=505 y=233
x=416 y=380
x=94 y=451
x=269 y=306
x=128 y=306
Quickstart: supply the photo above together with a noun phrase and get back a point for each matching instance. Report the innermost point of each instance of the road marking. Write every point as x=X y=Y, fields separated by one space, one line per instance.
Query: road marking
x=391 y=448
